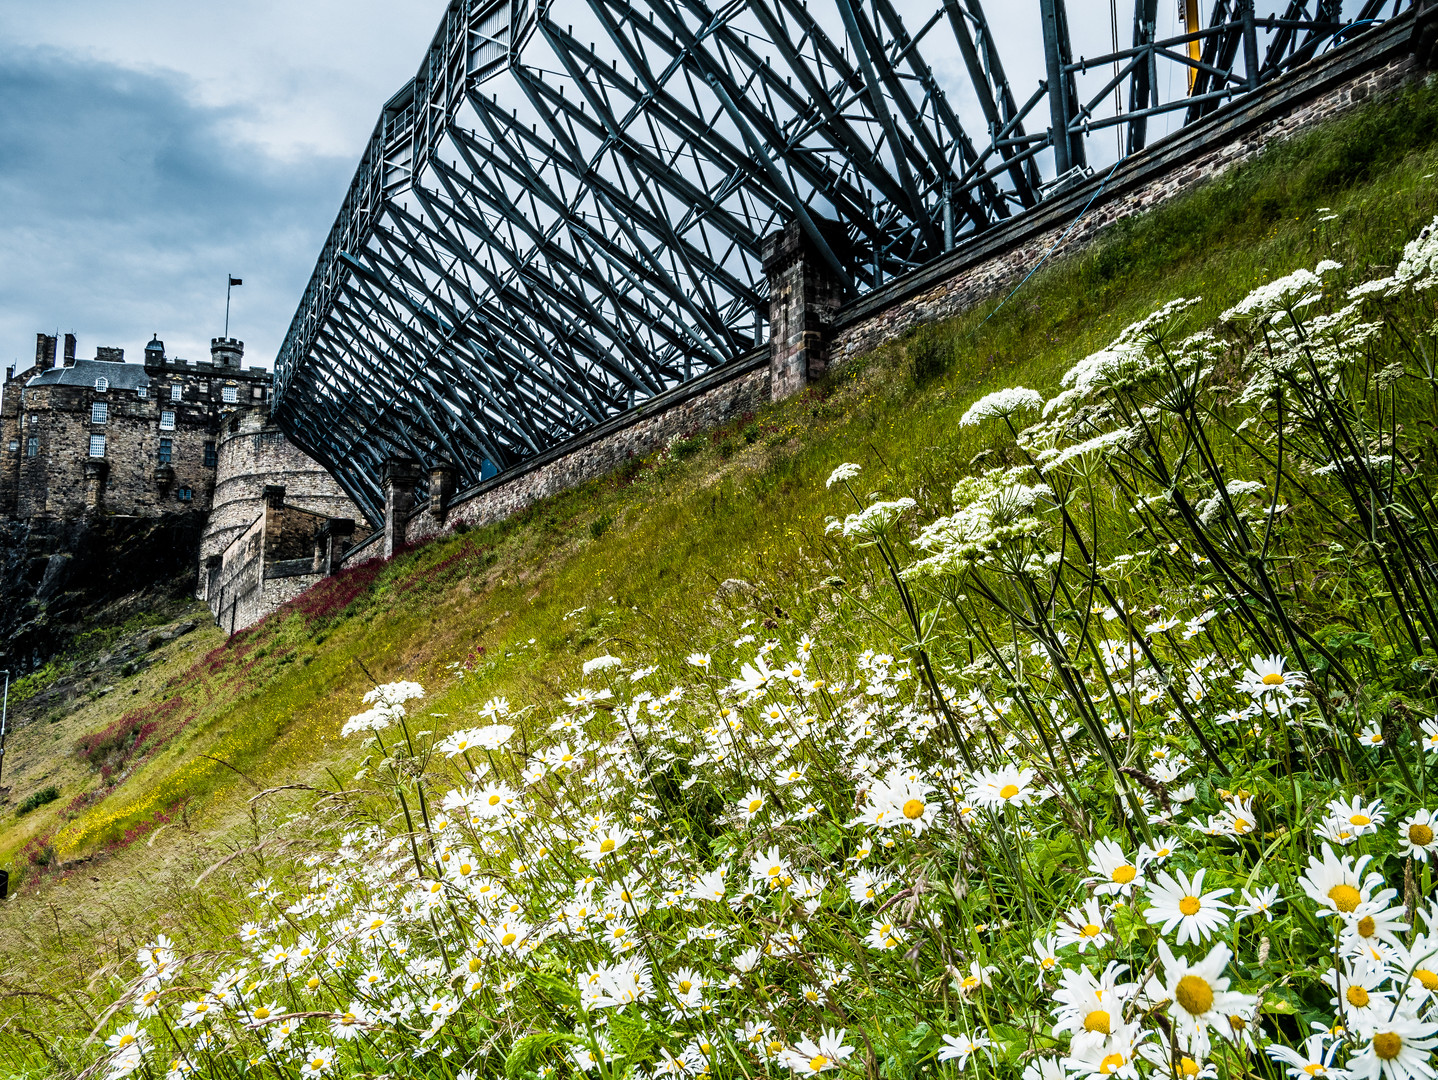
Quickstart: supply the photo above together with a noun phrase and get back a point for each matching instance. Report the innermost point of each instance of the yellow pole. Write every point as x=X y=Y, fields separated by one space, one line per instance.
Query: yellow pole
x=1189 y=11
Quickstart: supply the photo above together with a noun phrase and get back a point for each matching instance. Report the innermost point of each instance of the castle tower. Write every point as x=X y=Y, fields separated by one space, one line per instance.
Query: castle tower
x=227 y=352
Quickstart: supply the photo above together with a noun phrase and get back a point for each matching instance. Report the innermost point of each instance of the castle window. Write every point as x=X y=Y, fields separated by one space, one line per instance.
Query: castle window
x=97 y=446
x=165 y=445
x=184 y=494
x=167 y=420
x=14 y=445
x=34 y=419
x=102 y=384
x=99 y=412
x=230 y=395
x=177 y=392
x=211 y=457
x=142 y=392
x=32 y=447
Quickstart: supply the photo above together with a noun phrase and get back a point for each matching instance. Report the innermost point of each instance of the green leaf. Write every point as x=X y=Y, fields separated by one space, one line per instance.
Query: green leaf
x=524 y=1054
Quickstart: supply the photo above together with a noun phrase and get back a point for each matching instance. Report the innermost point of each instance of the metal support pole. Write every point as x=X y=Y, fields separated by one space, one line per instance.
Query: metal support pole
x=4 y=720
x=948 y=217
x=1058 y=86
x=1250 y=44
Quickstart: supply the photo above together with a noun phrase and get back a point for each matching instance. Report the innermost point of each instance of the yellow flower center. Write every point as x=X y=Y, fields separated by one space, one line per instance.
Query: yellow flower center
x=1238 y=1023
x=1189 y=1067
x=1387 y=1044
x=606 y=845
x=1111 y=1064
x=1357 y=997
x=774 y=1046
x=1366 y=926
x=126 y=1039
x=508 y=938
x=685 y=986
x=317 y=1063
x=473 y=964
x=1359 y=819
x=1098 y=1020
x=494 y=800
x=262 y=1013
x=1194 y=994
x=1124 y=874
x=1090 y=930
x=914 y=808
x=1427 y=979
x=754 y=805
x=818 y=1062
x=1420 y=835
x=1008 y=791
x=1273 y=678
x=1345 y=897
x=1241 y=825
x=1314 y=1069
x=347 y=1019
x=1189 y=905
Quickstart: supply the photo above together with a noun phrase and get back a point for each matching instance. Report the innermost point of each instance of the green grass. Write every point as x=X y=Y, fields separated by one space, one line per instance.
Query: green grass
x=662 y=551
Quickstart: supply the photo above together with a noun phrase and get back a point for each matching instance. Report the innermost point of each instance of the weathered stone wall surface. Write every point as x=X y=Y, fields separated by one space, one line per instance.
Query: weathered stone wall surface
x=159 y=422
x=253 y=454
x=703 y=403
x=979 y=268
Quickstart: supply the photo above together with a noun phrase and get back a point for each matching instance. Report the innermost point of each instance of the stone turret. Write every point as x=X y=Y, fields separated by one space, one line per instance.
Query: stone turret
x=227 y=352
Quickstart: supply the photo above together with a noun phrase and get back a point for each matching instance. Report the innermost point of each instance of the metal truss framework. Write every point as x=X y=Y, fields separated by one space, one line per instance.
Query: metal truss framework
x=506 y=274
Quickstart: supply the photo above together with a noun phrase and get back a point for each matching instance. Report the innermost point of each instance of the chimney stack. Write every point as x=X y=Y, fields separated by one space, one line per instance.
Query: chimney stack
x=69 y=350
x=44 y=352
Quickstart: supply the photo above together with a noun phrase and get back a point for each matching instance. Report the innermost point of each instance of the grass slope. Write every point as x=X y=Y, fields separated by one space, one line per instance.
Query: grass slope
x=727 y=525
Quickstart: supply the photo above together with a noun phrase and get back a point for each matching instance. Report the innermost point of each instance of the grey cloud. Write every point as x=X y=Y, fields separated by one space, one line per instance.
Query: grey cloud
x=123 y=204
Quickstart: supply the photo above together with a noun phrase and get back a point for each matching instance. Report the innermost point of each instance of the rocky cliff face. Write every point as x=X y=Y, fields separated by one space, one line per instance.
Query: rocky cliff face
x=58 y=578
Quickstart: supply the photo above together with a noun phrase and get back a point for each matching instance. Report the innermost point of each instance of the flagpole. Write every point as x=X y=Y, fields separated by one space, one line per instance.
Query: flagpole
x=228 y=287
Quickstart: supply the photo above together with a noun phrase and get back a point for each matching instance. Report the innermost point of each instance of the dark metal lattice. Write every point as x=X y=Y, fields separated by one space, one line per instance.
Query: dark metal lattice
x=544 y=230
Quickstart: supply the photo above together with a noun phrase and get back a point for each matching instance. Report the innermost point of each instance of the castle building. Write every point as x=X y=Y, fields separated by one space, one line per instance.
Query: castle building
x=83 y=441
x=103 y=436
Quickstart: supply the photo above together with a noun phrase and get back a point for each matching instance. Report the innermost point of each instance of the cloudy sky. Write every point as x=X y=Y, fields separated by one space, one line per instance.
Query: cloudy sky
x=148 y=148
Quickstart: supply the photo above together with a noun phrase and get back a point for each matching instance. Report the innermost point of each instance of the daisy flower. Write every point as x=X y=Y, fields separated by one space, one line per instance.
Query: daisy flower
x=1007 y=786
x=1083 y=926
x=1363 y=818
x=1180 y=902
x=1415 y=835
x=1201 y=997
x=809 y=1056
x=1338 y=886
x=1314 y=1060
x=1258 y=903
x=1265 y=676
x=959 y=1048
x=1398 y=1049
x=1113 y=873
x=1113 y=1057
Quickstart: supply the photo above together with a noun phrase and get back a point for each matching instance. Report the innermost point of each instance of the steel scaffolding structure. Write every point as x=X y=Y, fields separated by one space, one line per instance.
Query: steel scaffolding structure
x=544 y=230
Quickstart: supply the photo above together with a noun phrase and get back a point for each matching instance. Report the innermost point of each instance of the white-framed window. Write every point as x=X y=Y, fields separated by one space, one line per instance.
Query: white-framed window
x=14 y=445
x=167 y=420
x=32 y=447
x=97 y=446
x=177 y=392
x=102 y=384
x=142 y=392
x=99 y=412
x=34 y=419
x=230 y=395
